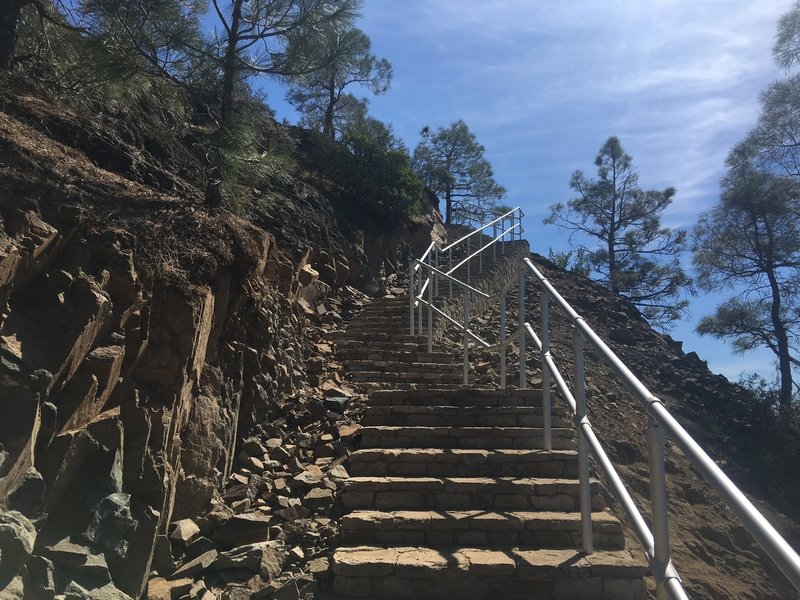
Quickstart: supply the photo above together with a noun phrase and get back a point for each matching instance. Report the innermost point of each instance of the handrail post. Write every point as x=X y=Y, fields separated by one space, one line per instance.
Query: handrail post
x=466 y=337
x=450 y=268
x=419 y=304
x=430 y=314
x=523 y=376
x=546 y=410
x=469 y=260
x=494 y=245
x=411 y=294
x=583 y=450
x=480 y=252
x=503 y=229
x=503 y=340
x=436 y=278
x=656 y=439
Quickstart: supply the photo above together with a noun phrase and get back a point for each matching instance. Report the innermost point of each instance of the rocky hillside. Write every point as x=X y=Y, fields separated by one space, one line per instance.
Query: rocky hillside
x=143 y=338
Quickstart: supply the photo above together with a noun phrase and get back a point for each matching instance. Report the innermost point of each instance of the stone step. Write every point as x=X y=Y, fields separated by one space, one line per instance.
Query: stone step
x=394 y=366
x=436 y=462
x=413 y=573
x=386 y=345
x=383 y=304
x=385 y=436
x=384 y=324
x=456 y=396
x=378 y=336
x=404 y=356
x=389 y=377
x=383 y=314
x=479 y=528
x=465 y=493
x=458 y=416
x=358 y=330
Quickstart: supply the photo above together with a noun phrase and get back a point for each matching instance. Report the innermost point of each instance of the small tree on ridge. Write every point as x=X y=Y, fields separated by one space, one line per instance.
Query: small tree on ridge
x=451 y=164
x=635 y=257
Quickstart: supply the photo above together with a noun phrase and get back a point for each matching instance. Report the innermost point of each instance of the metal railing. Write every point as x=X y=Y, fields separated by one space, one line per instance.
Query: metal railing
x=661 y=424
x=469 y=214
x=426 y=273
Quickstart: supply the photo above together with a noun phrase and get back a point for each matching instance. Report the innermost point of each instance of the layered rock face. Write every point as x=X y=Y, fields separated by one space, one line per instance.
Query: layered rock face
x=123 y=398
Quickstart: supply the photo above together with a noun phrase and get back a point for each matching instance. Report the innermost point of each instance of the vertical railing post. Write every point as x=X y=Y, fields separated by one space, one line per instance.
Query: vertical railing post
x=430 y=314
x=583 y=448
x=656 y=438
x=419 y=303
x=503 y=229
x=436 y=279
x=546 y=410
x=494 y=245
x=523 y=375
x=469 y=259
x=466 y=337
x=480 y=245
x=450 y=268
x=503 y=340
x=411 y=287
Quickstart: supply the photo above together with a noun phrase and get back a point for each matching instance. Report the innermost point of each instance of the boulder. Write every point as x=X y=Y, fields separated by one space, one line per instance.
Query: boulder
x=243 y=529
x=17 y=537
x=265 y=559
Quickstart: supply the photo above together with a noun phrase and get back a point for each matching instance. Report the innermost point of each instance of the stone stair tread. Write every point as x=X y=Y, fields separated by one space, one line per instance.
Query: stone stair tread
x=422 y=431
x=438 y=483
x=404 y=377
x=400 y=364
x=476 y=519
x=459 y=455
x=461 y=391
x=438 y=462
x=372 y=334
x=445 y=409
x=465 y=493
x=406 y=436
x=535 y=564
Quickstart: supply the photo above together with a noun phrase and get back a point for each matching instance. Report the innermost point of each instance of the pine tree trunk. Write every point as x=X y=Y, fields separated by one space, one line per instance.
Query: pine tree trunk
x=448 y=203
x=613 y=278
x=9 y=23
x=229 y=74
x=214 y=196
x=327 y=126
x=784 y=363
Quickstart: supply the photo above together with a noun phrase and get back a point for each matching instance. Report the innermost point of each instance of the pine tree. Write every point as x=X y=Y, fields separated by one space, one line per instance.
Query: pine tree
x=636 y=257
x=320 y=95
x=451 y=164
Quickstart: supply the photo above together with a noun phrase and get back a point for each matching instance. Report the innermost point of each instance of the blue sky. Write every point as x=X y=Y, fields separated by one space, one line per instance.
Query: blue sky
x=543 y=83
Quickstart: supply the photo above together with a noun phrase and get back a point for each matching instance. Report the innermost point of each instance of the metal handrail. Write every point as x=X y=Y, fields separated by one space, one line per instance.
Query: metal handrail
x=419 y=285
x=487 y=246
x=584 y=428
x=449 y=278
x=426 y=253
x=497 y=220
x=661 y=424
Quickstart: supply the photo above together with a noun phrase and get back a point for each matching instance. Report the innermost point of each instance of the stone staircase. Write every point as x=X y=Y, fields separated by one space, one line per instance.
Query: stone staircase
x=450 y=497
